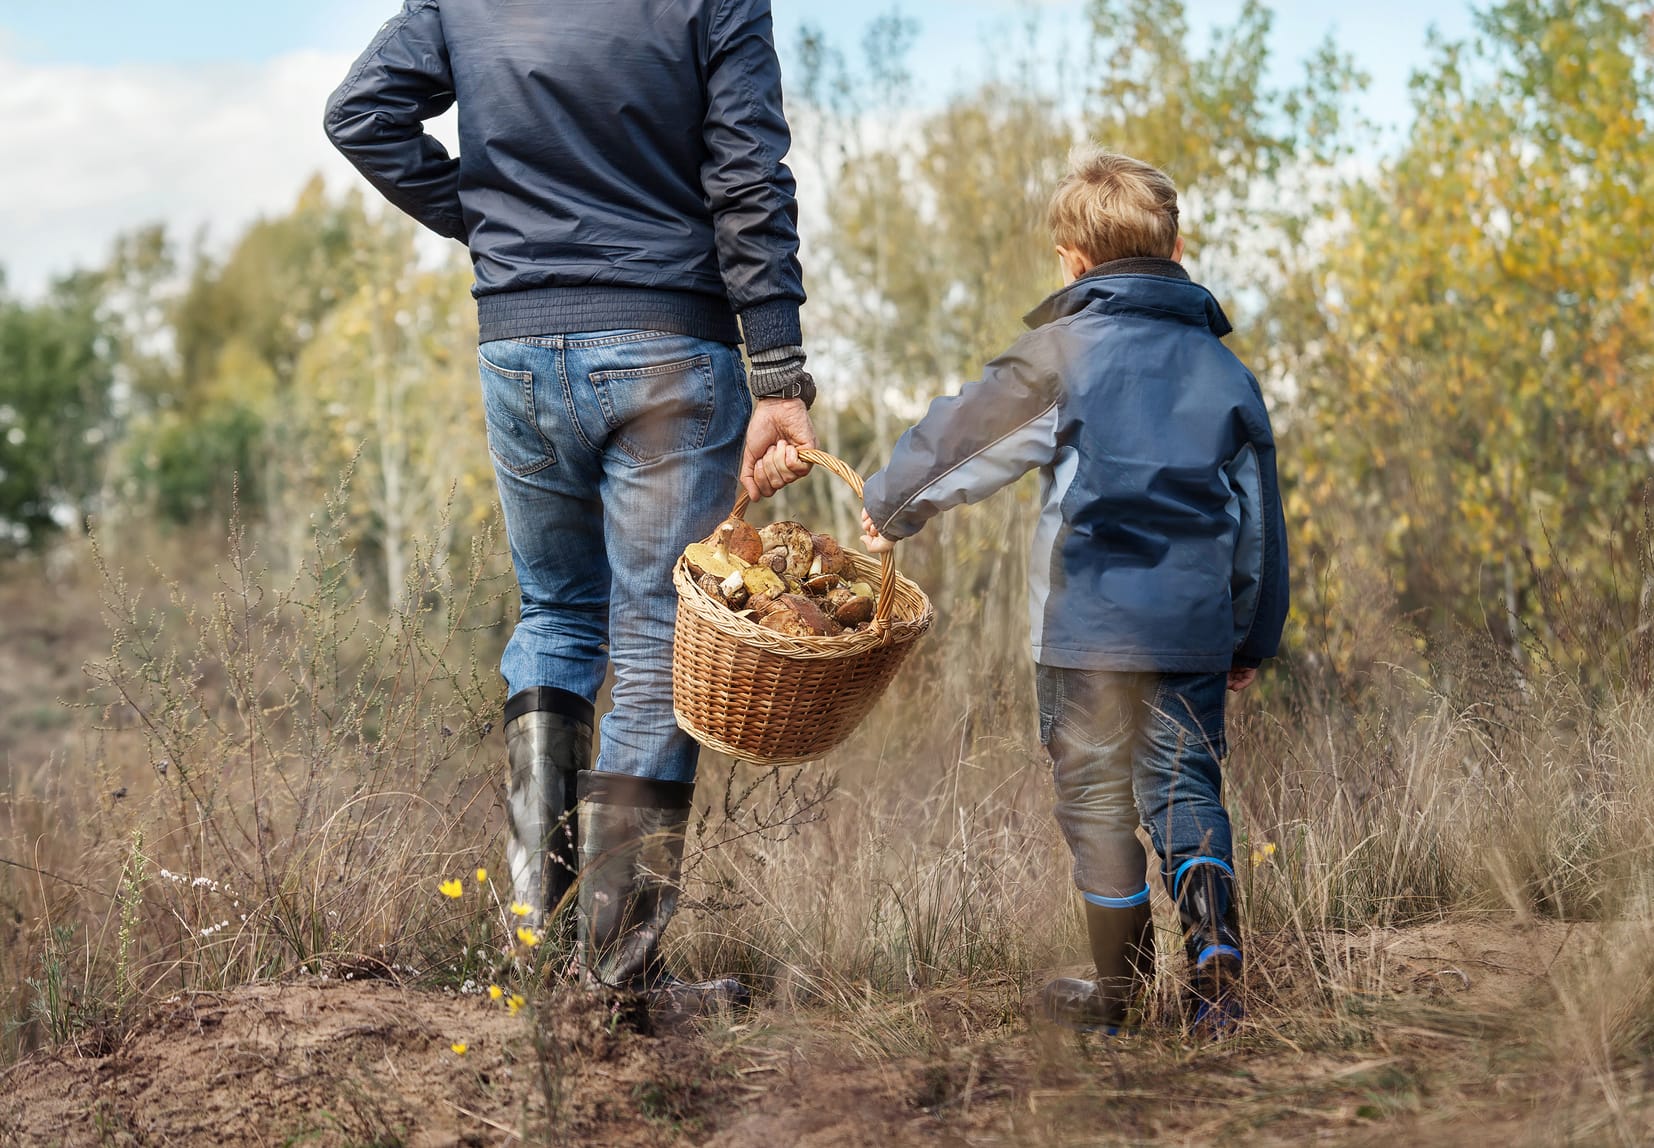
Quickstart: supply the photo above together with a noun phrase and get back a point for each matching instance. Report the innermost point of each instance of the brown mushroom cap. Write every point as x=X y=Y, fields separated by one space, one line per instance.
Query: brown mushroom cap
x=857 y=611
x=813 y=615
x=760 y=605
x=798 y=542
x=784 y=621
x=830 y=555
x=822 y=585
x=743 y=542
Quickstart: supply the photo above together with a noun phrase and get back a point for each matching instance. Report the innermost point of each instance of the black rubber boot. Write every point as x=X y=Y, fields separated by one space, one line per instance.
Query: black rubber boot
x=631 y=850
x=1211 y=937
x=548 y=737
x=1122 y=946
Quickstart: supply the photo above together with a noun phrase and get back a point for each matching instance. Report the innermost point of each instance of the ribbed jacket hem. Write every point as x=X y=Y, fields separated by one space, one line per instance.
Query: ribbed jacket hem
x=772 y=325
x=1178 y=663
x=577 y=310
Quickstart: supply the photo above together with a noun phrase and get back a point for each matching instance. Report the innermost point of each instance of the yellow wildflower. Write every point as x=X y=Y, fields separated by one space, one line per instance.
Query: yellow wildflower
x=495 y=992
x=452 y=888
x=482 y=876
x=1262 y=853
x=527 y=936
x=514 y=1004
x=460 y=1048
x=518 y=909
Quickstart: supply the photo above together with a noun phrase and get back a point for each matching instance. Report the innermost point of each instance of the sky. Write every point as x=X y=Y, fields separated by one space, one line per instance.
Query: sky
x=205 y=114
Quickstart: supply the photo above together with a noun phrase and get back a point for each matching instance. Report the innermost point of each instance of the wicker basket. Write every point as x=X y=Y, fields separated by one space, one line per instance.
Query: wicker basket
x=771 y=699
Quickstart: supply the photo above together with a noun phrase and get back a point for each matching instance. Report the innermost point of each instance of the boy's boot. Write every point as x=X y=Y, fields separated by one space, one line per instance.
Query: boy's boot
x=1205 y=889
x=631 y=851
x=548 y=738
x=1122 y=945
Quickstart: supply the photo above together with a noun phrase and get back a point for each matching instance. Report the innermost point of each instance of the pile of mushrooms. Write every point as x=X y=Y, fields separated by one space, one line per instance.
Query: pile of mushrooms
x=783 y=577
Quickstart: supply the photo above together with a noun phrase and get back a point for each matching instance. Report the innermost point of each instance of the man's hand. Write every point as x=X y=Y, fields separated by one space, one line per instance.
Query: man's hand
x=1240 y=679
x=872 y=541
x=778 y=430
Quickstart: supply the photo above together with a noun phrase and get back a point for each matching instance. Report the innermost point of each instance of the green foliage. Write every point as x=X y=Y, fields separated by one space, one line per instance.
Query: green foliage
x=1213 y=121
x=264 y=303
x=198 y=468
x=1473 y=351
x=56 y=416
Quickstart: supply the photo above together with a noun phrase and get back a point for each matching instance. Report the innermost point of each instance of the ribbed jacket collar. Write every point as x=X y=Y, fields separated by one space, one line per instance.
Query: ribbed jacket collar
x=1158 y=284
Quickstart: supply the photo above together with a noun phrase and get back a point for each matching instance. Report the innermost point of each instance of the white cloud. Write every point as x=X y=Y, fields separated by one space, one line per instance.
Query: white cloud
x=90 y=152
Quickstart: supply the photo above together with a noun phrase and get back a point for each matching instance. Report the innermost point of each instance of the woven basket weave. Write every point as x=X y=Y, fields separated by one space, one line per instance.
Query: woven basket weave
x=771 y=699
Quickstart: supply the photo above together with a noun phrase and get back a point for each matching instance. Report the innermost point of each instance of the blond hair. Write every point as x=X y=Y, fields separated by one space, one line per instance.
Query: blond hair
x=1111 y=207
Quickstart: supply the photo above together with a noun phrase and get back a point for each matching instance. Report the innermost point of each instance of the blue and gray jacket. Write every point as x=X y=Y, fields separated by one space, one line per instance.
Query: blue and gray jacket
x=1161 y=544
x=621 y=161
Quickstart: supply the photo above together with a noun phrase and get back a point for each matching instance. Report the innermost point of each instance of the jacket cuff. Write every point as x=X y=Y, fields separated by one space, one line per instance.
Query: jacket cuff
x=780 y=374
x=767 y=326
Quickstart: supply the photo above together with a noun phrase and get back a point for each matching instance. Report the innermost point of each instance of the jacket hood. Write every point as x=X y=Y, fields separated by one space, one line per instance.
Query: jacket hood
x=1160 y=286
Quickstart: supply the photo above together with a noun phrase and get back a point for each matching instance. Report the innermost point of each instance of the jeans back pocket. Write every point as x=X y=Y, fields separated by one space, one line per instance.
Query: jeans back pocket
x=1197 y=705
x=657 y=410
x=509 y=410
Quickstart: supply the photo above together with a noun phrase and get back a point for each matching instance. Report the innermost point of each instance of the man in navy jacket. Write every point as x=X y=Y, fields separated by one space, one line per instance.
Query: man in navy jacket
x=622 y=190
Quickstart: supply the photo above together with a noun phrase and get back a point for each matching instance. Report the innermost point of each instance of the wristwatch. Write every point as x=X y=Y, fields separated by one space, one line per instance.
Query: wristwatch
x=804 y=388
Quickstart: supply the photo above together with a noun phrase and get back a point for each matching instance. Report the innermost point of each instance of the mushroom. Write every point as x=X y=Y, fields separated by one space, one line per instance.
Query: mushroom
x=760 y=605
x=857 y=611
x=796 y=540
x=734 y=589
x=822 y=585
x=744 y=541
x=829 y=556
x=763 y=580
x=814 y=617
x=714 y=557
x=784 y=621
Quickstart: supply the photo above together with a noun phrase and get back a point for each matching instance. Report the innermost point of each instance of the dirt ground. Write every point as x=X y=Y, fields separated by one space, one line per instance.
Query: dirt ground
x=372 y=1064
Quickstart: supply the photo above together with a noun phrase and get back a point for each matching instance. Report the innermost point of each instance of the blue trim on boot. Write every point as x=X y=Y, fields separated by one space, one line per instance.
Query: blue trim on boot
x=1211 y=951
x=1177 y=877
x=1130 y=902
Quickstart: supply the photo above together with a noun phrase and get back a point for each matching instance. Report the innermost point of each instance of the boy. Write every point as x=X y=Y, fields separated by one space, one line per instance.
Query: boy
x=1159 y=568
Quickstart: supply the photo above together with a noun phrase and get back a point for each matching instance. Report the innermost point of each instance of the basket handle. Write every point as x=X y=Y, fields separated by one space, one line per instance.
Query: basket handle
x=887 y=560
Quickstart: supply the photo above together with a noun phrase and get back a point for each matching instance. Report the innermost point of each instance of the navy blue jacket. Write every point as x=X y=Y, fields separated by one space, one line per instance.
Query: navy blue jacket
x=621 y=161
x=1161 y=544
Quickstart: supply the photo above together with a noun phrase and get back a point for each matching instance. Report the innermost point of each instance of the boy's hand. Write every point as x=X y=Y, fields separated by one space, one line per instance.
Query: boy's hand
x=872 y=541
x=1240 y=679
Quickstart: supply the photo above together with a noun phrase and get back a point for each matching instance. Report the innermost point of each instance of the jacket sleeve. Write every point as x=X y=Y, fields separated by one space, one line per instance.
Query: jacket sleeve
x=377 y=118
x=747 y=182
x=971 y=444
x=1273 y=583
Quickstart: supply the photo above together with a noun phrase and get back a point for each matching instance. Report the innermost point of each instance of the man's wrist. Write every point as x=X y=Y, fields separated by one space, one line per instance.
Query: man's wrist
x=779 y=373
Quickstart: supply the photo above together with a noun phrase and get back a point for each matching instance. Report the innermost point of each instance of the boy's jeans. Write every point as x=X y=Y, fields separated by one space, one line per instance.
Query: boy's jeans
x=613 y=450
x=1129 y=748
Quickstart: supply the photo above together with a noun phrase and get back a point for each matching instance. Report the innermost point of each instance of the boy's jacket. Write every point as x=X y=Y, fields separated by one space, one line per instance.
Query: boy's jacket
x=1161 y=545
x=621 y=161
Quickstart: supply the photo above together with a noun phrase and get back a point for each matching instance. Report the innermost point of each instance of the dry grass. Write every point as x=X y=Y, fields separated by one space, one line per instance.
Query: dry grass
x=326 y=766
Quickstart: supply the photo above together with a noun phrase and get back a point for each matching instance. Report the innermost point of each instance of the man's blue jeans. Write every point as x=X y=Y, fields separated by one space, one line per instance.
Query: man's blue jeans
x=614 y=450
x=1134 y=747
